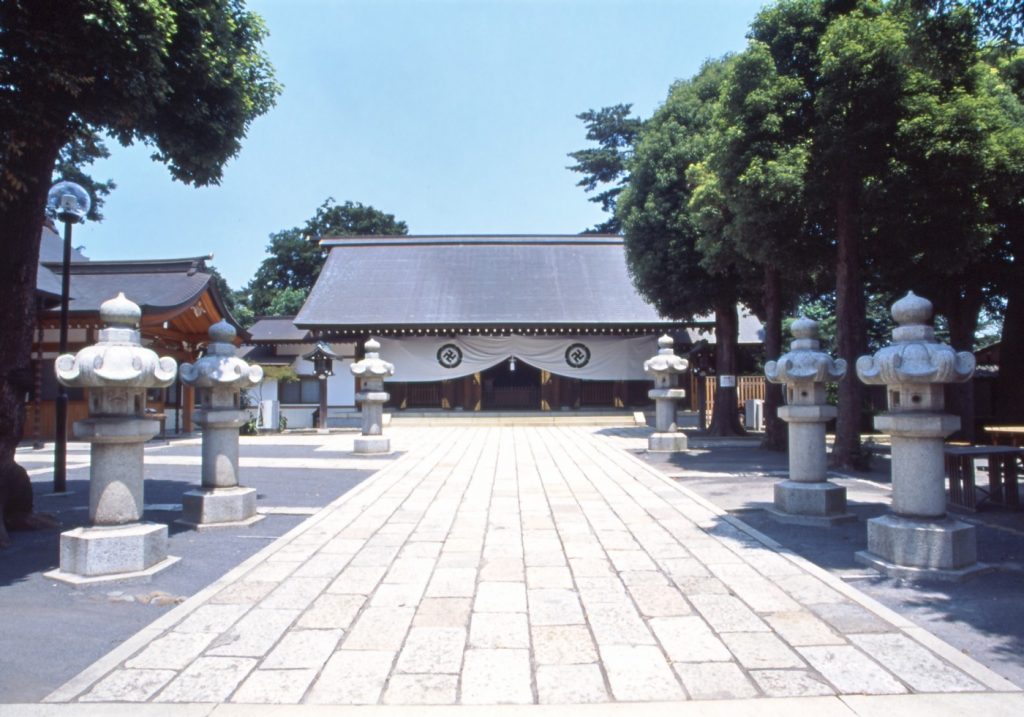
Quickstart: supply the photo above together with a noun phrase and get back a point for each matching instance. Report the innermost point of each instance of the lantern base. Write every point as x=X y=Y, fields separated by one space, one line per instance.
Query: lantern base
x=667 y=442
x=371 y=444
x=943 y=549
x=219 y=507
x=819 y=503
x=112 y=552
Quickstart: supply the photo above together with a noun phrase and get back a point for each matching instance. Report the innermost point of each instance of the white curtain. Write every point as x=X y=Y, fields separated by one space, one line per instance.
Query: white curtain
x=605 y=358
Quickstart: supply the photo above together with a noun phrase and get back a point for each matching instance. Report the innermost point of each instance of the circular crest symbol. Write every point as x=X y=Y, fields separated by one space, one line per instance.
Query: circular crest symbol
x=449 y=355
x=577 y=355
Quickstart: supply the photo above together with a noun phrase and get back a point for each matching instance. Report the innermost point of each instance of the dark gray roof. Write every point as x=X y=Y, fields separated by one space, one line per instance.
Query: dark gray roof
x=47 y=283
x=263 y=355
x=51 y=248
x=153 y=285
x=277 y=329
x=458 y=282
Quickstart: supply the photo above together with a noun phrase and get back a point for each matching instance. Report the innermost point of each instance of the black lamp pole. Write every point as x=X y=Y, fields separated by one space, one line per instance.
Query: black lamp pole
x=60 y=451
x=69 y=203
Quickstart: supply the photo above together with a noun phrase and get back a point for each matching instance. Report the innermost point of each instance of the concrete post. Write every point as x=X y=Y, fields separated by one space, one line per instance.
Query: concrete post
x=116 y=371
x=807 y=498
x=918 y=539
x=665 y=368
x=219 y=377
x=372 y=370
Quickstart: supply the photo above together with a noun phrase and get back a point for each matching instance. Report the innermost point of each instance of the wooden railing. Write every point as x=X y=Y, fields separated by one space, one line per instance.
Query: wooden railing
x=597 y=393
x=77 y=411
x=424 y=395
x=747 y=388
x=512 y=397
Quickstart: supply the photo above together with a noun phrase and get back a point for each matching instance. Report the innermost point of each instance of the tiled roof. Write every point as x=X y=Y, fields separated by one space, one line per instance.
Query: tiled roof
x=277 y=329
x=459 y=282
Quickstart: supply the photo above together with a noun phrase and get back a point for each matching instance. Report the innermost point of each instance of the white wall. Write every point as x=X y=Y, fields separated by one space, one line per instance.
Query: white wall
x=341 y=391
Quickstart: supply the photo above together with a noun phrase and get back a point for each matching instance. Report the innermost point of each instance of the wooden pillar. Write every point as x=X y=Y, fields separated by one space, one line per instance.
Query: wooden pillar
x=400 y=394
x=575 y=389
x=189 y=395
x=547 y=398
x=477 y=393
x=619 y=398
x=37 y=389
x=447 y=394
x=321 y=422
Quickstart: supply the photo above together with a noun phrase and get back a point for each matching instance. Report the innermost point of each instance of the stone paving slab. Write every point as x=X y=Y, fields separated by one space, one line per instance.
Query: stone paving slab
x=933 y=705
x=525 y=565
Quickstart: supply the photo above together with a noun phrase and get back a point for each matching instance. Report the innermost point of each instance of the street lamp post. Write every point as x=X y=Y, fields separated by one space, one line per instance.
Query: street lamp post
x=69 y=203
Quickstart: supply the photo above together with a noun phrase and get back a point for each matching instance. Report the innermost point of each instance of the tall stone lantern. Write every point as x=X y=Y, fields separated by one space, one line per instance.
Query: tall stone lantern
x=116 y=371
x=664 y=368
x=917 y=538
x=372 y=370
x=220 y=377
x=807 y=498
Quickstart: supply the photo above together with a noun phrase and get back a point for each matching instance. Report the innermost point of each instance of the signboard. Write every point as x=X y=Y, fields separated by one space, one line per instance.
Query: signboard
x=727 y=381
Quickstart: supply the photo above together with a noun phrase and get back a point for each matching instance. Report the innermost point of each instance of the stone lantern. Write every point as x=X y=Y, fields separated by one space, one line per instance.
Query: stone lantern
x=116 y=371
x=322 y=359
x=807 y=498
x=665 y=368
x=372 y=370
x=220 y=377
x=917 y=538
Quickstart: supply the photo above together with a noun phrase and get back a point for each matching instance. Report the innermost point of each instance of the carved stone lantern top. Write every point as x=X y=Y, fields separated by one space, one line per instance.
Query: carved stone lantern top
x=665 y=367
x=915 y=357
x=219 y=367
x=805 y=362
x=666 y=361
x=372 y=366
x=118 y=359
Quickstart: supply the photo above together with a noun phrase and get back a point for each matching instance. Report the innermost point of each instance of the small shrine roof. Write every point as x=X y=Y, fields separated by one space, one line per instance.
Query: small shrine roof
x=277 y=330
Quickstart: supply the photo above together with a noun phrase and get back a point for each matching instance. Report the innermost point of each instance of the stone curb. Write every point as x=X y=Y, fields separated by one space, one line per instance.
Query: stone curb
x=934 y=705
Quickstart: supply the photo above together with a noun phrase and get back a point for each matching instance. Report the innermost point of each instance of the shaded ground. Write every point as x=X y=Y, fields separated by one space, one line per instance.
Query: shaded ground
x=51 y=631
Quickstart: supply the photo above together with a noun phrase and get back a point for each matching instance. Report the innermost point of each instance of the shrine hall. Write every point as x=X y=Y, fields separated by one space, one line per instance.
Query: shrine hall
x=491 y=323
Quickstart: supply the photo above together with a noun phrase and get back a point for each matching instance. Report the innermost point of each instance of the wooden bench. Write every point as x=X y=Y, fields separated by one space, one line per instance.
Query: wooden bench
x=1002 y=475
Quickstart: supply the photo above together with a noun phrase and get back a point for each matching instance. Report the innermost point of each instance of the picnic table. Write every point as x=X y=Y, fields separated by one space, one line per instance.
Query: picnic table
x=1002 y=475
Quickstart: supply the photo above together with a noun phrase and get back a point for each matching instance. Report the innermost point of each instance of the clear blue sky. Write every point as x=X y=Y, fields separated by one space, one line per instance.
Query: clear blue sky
x=455 y=116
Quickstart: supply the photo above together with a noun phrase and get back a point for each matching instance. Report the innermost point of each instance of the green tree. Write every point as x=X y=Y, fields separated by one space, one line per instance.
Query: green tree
x=74 y=158
x=661 y=233
x=284 y=278
x=184 y=77
x=756 y=172
x=1008 y=241
x=615 y=132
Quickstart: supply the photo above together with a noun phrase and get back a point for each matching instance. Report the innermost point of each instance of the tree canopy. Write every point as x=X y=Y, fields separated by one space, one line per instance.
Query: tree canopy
x=284 y=278
x=184 y=77
x=869 y=146
x=604 y=166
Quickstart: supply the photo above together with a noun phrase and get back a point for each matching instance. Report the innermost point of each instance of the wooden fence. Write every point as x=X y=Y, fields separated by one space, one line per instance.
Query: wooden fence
x=747 y=388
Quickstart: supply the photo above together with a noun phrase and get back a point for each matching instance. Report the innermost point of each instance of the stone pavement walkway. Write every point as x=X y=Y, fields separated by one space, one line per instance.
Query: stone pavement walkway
x=523 y=565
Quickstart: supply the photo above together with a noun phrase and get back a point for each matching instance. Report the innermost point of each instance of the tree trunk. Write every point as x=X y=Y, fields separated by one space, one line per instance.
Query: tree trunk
x=725 y=419
x=851 y=333
x=22 y=221
x=1009 y=386
x=961 y=307
x=775 y=430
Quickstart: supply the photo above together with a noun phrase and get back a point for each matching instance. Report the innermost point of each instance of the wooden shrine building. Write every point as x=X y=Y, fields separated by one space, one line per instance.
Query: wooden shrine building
x=179 y=302
x=491 y=322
